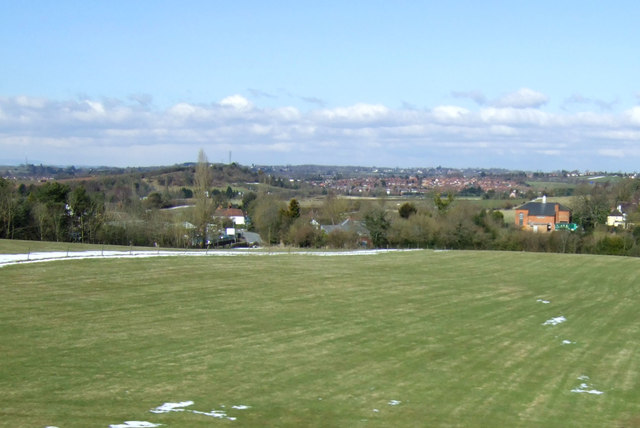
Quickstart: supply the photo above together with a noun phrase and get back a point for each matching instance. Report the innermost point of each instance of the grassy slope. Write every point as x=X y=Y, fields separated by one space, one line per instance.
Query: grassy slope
x=457 y=337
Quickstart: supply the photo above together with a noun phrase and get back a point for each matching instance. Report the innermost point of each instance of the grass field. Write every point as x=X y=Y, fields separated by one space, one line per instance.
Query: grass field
x=416 y=338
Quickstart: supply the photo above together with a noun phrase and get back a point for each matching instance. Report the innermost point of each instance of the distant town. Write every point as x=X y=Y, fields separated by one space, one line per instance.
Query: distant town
x=350 y=180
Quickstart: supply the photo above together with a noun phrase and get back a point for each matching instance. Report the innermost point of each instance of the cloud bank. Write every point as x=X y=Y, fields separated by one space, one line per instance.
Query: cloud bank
x=512 y=131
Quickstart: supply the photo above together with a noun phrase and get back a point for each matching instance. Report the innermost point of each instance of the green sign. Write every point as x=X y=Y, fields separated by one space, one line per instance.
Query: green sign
x=567 y=226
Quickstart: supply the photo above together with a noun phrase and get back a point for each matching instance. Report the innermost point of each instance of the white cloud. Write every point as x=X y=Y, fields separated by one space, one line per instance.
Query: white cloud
x=182 y=110
x=615 y=153
x=502 y=130
x=522 y=98
x=288 y=113
x=30 y=102
x=633 y=115
x=446 y=113
x=551 y=152
x=96 y=107
x=515 y=116
x=356 y=113
x=91 y=132
x=236 y=101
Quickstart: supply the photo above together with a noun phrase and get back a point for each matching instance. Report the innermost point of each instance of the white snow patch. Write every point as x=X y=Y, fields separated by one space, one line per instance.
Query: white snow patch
x=376 y=410
x=394 y=402
x=584 y=387
x=14 y=259
x=135 y=424
x=546 y=302
x=555 y=321
x=220 y=414
x=177 y=207
x=172 y=407
x=567 y=342
x=180 y=407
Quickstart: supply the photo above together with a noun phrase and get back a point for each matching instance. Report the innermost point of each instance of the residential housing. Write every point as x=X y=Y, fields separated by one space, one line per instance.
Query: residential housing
x=349 y=226
x=618 y=216
x=235 y=214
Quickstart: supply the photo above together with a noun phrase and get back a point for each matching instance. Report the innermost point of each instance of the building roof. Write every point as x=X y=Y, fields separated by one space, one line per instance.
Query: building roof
x=347 y=225
x=542 y=208
x=616 y=213
x=229 y=212
x=622 y=209
x=252 y=237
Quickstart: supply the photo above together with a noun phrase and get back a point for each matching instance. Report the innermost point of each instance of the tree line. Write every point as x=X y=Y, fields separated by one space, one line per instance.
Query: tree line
x=448 y=223
x=128 y=210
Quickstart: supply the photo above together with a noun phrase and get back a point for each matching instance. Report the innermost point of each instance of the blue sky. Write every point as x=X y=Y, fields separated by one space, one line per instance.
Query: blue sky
x=539 y=85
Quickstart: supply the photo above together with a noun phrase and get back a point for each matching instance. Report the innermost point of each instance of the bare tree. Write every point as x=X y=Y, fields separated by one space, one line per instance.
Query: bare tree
x=333 y=208
x=204 y=207
x=8 y=207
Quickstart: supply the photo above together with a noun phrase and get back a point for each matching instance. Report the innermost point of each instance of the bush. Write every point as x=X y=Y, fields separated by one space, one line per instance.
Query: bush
x=303 y=234
x=342 y=239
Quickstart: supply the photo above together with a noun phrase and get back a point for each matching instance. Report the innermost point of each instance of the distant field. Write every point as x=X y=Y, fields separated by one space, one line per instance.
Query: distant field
x=8 y=246
x=550 y=185
x=418 y=338
x=564 y=200
x=602 y=179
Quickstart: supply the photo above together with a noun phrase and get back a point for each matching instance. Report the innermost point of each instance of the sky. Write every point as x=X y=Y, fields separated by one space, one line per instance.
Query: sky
x=532 y=85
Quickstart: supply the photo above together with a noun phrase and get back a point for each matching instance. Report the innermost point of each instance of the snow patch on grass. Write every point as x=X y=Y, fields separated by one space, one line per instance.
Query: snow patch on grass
x=135 y=424
x=546 y=302
x=220 y=414
x=555 y=321
x=14 y=259
x=394 y=402
x=172 y=407
x=584 y=387
x=244 y=407
x=180 y=407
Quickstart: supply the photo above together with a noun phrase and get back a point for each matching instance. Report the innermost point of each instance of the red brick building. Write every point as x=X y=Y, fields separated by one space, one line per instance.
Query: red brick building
x=542 y=216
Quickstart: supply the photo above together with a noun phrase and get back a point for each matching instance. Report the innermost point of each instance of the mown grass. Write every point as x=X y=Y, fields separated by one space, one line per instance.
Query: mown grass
x=456 y=337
